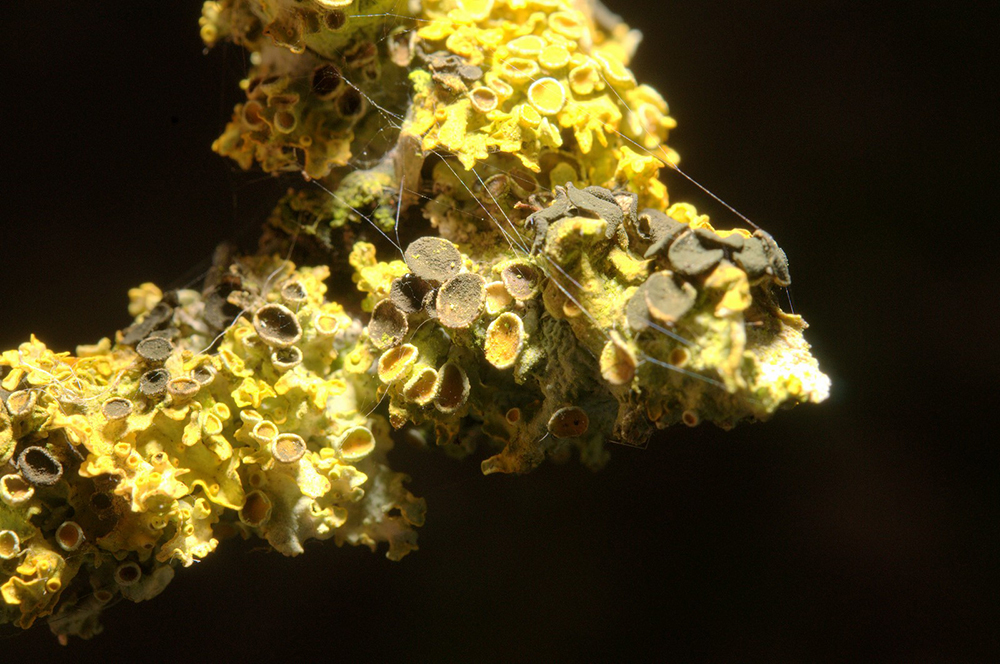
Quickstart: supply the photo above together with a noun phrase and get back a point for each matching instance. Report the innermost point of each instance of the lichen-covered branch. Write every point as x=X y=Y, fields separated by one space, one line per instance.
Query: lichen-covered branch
x=483 y=199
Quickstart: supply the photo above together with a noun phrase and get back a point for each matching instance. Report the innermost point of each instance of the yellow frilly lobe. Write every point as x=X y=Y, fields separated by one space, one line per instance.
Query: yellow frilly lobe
x=543 y=82
x=157 y=449
x=544 y=298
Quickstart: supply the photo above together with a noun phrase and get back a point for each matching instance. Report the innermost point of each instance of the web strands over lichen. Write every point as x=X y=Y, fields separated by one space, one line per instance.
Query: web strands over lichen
x=391 y=119
x=558 y=307
x=360 y=53
x=448 y=23
x=444 y=68
x=248 y=119
x=395 y=118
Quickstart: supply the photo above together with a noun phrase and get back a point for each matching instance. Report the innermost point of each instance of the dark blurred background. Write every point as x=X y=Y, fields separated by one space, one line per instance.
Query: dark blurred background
x=866 y=528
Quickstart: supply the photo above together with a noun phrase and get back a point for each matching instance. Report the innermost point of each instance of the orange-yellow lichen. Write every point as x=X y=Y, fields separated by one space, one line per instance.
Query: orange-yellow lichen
x=564 y=302
x=504 y=340
x=168 y=472
x=546 y=57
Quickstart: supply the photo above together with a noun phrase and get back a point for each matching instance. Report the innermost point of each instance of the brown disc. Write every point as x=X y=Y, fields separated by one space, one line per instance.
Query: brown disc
x=277 y=326
x=452 y=388
x=183 y=388
x=569 y=422
x=667 y=300
x=116 y=408
x=521 y=280
x=293 y=292
x=69 y=536
x=407 y=293
x=388 y=325
x=39 y=467
x=284 y=359
x=256 y=509
x=128 y=573
x=460 y=300
x=433 y=259
x=688 y=256
x=204 y=374
x=288 y=448
x=154 y=383
x=21 y=403
x=154 y=350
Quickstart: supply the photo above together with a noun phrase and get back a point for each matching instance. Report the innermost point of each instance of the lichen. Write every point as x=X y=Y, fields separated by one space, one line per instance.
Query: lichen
x=508 y=271
x=159 y=479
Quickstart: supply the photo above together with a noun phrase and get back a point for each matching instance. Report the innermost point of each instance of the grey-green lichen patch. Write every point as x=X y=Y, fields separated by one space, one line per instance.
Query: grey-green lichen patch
x=657 y=230
x=689 y=256
x=365 y=196
x=777 y=261
x=752 y=259
x=709 y=238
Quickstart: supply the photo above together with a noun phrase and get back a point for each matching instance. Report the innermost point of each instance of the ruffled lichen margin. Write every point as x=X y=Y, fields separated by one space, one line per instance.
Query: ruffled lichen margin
x=511 y=275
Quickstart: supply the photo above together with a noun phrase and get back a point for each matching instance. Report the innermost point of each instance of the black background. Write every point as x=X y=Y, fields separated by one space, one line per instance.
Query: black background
x=856 y=132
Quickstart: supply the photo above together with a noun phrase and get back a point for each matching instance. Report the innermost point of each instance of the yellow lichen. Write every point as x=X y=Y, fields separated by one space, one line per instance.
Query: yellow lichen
x=563 y=303
x=187 y=461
